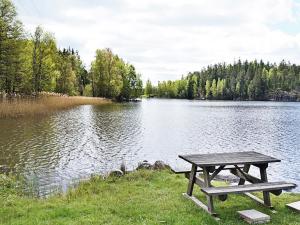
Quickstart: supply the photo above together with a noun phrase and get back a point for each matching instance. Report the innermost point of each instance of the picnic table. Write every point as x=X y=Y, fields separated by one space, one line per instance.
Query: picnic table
x=238 y=163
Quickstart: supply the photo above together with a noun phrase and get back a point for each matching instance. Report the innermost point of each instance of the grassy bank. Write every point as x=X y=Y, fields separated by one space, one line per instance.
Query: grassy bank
x=44 y=105
x=144 y=197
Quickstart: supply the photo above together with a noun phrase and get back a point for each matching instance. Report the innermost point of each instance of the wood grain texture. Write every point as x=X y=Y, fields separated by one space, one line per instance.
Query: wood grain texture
x=232 y=158
x=248 y=188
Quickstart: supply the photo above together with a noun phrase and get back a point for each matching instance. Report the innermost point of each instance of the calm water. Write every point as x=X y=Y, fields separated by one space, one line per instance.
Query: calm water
x=56 y=151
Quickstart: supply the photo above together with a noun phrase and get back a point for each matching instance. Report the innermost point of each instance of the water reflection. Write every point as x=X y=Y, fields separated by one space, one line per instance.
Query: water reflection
x=56 y=151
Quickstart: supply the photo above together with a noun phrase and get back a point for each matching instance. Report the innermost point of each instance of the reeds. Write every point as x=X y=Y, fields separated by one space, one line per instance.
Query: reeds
x=21 y=107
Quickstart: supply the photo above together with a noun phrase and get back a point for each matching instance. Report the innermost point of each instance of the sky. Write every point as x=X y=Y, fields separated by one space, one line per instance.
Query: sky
x=165 y=39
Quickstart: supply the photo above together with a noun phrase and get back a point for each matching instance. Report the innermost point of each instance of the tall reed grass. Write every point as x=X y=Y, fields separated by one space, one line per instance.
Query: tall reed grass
x=20 y=107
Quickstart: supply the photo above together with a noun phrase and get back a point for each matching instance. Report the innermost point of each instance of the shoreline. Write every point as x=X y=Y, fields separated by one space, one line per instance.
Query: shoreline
x=140 y=197
x=17 y=107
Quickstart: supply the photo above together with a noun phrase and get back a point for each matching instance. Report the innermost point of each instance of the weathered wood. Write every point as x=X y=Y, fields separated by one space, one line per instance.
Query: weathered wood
x=246 y=170
x=199 y=203
x=251 y=179
x=245 y=177
x=192 y=180
x=199 y=170
x=200 y=182
x=264 y=178
x=210 y=204
x=197 y=180
x=233 y=158
x=183 y=171
x=214 y=191
x=257 y=199
x=216 y=172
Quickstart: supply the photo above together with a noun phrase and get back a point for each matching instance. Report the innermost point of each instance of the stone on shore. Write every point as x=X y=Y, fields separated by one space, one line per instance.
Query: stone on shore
x=144 y=165
x=160 y=165
x=295 y=206
x=116 y=173
x=253 y=216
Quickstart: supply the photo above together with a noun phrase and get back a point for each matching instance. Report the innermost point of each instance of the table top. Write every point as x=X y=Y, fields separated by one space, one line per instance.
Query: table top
x=231 y=158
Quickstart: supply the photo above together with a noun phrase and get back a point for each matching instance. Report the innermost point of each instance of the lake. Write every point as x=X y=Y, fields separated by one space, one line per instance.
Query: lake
x=56 y=151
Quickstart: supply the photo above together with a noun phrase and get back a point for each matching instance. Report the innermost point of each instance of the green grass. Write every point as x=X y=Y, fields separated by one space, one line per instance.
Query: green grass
x=143 y=197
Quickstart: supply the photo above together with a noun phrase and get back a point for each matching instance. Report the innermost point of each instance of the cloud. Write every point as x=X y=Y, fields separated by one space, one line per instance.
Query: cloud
x=167 y=39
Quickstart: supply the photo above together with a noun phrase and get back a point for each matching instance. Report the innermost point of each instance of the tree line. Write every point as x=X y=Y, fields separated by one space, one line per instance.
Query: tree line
x=241 y=80
x=32 y=63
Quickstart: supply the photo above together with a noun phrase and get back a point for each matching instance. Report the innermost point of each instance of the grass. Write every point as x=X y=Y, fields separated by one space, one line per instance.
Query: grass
x=142 y=197
x=44 y=105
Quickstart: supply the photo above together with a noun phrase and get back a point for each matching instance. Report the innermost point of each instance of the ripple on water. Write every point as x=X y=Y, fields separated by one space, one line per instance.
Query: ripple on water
x=57 y=151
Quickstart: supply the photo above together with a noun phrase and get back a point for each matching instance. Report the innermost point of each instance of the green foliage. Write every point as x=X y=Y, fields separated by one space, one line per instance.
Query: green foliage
x=148 y=89
x=111 y=77
x=11 y=44
x=35 y=64
x=207 y=89
x=240 y=80
x=213 y=89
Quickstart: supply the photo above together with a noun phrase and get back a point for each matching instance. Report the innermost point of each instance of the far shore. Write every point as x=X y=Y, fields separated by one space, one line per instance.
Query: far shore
x=44 y=105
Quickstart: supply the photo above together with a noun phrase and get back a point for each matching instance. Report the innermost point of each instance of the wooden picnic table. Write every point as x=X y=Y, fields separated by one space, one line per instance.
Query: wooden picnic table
x=238 y=163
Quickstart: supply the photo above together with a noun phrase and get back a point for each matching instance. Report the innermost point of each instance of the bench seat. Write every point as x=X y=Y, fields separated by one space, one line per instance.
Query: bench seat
x=270 y=186
x=179 y=171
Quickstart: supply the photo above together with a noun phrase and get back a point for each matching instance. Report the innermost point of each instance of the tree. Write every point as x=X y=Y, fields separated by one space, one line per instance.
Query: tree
x=10 y=47
x=148 y=88
x=190 y=89
x=213 y=89
x=43 y=60
x=112 y=78
x=207 y=89
x=220 y=88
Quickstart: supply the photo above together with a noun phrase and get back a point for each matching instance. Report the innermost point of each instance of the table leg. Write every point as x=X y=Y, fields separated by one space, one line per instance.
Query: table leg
x=264 y=178
x=192 y=180
x=246 y=169
x=210 y=204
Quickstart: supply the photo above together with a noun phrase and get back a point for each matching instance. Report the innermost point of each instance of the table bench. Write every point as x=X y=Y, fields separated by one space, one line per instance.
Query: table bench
x=238 y=163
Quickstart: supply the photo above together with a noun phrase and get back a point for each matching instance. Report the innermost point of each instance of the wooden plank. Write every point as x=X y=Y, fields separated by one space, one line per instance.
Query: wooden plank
x=251 y=179
x=257 y=199
x=248 y=188
x=246 y=170
x=245 y=176
x=207 y=184
x=200 y=182
x=199 y=203
x=192 y=180
x=264 y=178
x=197 y=180
x=216 y=172
x=232 y=158
x=184 y=171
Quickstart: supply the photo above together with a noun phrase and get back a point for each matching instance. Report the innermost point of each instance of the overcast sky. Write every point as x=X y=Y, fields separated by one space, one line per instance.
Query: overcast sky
x=165 y=39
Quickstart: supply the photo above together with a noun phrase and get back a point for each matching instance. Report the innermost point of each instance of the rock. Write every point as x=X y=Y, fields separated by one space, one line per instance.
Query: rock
x=144 y=165
x=295 y=206
x=6 y=170
x=123 y=168
x=160 y=165
x=253 y=216
x=116 y=173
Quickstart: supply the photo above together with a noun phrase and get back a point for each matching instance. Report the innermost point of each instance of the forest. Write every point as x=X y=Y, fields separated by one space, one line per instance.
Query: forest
x=238 y=81
x=33 y=63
